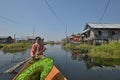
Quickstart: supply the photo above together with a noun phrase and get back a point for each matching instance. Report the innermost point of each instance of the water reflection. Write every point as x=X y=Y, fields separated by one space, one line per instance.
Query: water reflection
x=13 y=52
x=15 y=57
x=8 y=59
x=77 y=55
x=95 y=62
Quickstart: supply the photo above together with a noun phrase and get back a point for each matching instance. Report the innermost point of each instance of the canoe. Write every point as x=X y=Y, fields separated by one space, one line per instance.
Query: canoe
x=43 y=69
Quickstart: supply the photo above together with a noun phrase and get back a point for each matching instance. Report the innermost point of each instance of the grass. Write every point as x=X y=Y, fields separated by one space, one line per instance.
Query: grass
x=15 y=47
x=70 y=46
x=83 y=48
x=106 y=62
x=109 y=51
x=1 y=46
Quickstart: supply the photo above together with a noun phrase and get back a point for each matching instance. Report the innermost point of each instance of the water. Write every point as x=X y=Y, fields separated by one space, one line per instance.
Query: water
x=74 y=66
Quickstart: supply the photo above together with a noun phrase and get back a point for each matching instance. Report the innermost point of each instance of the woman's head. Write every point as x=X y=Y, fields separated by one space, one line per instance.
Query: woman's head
x=38 y=39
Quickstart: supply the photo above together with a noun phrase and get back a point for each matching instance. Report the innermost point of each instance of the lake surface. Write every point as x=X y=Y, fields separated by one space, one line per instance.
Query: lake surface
x=73 y=65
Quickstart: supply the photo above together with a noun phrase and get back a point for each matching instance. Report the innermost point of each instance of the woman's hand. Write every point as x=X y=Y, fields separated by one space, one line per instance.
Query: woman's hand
x=44 y=49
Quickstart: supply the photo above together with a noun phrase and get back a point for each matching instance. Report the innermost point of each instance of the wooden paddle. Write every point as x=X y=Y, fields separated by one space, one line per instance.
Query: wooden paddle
x=10 y=70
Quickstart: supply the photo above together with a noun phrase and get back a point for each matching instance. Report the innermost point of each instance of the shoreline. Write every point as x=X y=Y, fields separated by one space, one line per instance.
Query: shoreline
x=108 y=51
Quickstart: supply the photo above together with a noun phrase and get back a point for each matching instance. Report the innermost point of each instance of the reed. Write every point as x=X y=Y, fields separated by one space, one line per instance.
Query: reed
x=105 y=62
x=15 y=47
x=110 y=50
x=83 y=48
x=70 y=46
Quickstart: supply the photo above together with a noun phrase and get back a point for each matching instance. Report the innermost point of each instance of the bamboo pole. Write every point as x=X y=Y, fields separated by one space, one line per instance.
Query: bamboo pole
x=15 y=67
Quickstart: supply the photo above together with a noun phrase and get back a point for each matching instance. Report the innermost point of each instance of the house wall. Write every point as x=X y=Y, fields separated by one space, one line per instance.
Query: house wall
x=117 y=34
x=109 y=34
x=92 y=35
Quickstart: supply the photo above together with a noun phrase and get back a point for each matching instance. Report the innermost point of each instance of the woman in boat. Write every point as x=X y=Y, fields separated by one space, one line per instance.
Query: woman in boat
x=37 y=48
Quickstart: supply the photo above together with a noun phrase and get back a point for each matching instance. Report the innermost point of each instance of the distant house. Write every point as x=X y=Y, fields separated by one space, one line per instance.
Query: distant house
x=30 y=39
x=6 y=39
x=101 y=31
x=75 y=37
x=19 y=40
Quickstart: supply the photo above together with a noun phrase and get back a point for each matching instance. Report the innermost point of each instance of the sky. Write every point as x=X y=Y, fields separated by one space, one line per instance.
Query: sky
x=51 y=18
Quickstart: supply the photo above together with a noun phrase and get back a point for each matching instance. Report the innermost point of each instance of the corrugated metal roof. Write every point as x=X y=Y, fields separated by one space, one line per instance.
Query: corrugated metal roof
x=103 y=25
x=4 y=36
x=85 y=30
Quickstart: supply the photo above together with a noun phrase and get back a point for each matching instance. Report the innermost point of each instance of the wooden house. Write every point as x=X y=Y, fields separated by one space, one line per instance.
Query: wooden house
x=30 y=39
x=101 y=31
x=6 y=39
x=74 y=37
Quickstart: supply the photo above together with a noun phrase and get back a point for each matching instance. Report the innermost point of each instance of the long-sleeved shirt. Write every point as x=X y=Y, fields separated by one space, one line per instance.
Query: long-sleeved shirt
x=36 y=48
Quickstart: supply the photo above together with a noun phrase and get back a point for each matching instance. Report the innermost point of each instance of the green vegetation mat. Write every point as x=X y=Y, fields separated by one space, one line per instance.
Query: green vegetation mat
x=38 y=70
